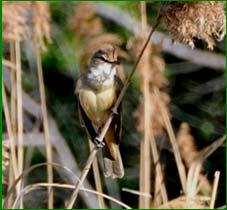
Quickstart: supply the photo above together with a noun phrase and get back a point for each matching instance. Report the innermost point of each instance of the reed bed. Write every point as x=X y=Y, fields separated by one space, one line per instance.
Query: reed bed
x=70 y=173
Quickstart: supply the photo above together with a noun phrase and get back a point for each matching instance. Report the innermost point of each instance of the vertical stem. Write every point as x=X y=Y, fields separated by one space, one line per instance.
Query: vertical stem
x=97 y=178
x=13 y=108
x=46 y=127
x=13 y=88
x=145 y=159
x=19 y=113
x=11 y=136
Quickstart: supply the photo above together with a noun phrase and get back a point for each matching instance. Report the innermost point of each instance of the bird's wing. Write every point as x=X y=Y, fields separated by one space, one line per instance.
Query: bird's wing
x=117 y=120
x=86 y=122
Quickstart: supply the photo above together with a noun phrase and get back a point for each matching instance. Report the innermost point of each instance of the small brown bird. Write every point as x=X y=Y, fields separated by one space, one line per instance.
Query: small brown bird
x=97 y=91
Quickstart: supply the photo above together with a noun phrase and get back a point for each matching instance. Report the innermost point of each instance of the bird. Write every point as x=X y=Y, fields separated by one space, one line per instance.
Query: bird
x=97 y=90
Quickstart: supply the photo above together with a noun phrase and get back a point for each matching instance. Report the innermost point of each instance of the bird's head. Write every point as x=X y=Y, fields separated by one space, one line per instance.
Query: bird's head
x=105 y=54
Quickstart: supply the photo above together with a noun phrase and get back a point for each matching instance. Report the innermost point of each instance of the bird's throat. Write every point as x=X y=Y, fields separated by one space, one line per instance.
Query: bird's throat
x=102 y=75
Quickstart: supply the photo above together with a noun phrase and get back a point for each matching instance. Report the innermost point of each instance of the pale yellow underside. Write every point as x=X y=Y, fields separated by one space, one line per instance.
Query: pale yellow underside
x=97 y=105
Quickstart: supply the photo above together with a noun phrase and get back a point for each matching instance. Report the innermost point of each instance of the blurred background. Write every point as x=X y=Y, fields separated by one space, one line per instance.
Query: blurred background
x=176 y=97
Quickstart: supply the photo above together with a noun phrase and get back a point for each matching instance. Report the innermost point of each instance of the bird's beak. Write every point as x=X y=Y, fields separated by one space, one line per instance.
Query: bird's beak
x=117 y=62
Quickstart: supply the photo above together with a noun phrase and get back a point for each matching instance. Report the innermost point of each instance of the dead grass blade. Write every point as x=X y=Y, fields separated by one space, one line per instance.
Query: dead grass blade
x=135 y=192
x=179 y=162
x=32 y=187
x=215 y=187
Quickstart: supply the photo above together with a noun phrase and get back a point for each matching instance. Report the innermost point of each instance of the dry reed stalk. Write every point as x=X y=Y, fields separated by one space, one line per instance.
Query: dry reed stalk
x=48 y=145
x=11 y=136
x=151 y=74
x=215 y=187
x=97 y=178
x=20 y=144
x=179 y=162
x=145 y=158
x=13 y=102
x=13 y=109
x=109 y=120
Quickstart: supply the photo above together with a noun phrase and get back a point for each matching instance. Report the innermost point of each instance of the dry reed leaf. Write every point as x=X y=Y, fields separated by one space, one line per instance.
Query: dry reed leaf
x=202 y=20
x=181 y=202
x=186 y=143
x=5 y=165
x=26 y=20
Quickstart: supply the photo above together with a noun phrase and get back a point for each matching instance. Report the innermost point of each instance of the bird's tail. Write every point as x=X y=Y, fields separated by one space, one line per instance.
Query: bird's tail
x=113 y=168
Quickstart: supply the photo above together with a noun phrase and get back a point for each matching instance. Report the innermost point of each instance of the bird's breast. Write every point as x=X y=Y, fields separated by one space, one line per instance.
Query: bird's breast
x=97 y=104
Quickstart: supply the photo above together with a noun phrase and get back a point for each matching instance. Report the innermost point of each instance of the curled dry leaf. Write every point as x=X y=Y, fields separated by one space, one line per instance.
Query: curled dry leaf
x=201 y=20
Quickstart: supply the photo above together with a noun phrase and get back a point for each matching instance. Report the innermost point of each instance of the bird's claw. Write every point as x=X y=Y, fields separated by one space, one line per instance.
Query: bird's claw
x=98 y=143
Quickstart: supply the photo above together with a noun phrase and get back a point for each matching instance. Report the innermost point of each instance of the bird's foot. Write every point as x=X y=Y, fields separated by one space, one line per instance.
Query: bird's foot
x=114 y=111
x=98 y=143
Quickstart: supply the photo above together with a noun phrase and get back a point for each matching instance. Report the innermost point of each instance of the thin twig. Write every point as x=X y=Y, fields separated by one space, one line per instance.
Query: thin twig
x=45 y=125
x=107 y=124
x=215 y=187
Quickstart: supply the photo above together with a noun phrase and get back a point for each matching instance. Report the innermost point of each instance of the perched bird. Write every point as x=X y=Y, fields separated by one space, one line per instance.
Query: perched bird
x=97 y=90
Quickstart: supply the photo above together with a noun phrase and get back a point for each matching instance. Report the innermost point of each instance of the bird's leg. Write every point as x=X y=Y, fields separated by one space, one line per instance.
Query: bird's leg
x=97 y=141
